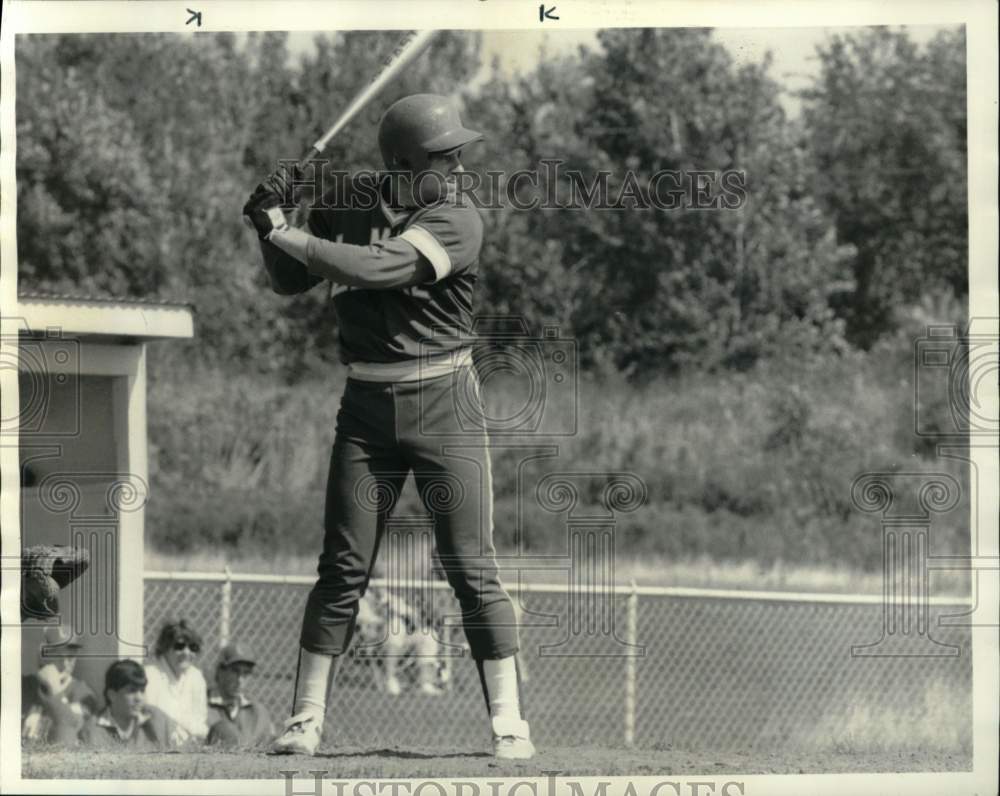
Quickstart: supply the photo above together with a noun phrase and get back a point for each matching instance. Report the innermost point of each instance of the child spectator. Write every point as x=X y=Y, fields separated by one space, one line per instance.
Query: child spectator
x=236 y=720
x=126 y=720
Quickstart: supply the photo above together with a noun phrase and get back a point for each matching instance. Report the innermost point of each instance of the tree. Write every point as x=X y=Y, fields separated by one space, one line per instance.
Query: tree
x=647 y=290
x=524 y=272
x=88 y=203
x=886 y=126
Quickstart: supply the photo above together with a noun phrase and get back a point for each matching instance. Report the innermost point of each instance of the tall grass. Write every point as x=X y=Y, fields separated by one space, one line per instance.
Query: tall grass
x=939 y=719
x=747 y=466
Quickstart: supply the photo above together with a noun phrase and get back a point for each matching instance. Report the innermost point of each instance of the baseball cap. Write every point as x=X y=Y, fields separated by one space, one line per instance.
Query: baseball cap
x=235 y=653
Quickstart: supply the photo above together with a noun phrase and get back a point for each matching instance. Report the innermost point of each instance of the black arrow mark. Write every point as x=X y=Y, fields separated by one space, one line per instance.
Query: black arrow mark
x=195 y=15
x=546 y=13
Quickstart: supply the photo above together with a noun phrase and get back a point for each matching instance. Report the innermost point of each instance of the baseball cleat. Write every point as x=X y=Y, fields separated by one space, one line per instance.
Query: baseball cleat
x=511 y=739
x=392 y=686
x=300 y=736
x=430 y=689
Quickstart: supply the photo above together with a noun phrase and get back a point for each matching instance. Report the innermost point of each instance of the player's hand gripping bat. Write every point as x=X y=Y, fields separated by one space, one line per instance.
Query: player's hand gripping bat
x=282 y=181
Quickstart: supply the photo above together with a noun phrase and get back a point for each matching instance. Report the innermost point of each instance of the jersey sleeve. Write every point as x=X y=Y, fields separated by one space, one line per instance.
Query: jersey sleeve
x=286 y=275
x=449 y=237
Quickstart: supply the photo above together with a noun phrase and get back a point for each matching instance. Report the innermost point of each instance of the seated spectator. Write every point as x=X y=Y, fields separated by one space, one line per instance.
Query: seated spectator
x=53 y=688
x=235 y=719
x=176 y=686
x=127 y=720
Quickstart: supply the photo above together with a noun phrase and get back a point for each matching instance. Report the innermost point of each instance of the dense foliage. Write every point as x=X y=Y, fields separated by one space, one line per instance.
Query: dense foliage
x=135 y=154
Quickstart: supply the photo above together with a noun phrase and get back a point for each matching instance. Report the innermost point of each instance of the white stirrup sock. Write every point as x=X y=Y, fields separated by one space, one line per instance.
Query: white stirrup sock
x=312 y=684
x=501 y=687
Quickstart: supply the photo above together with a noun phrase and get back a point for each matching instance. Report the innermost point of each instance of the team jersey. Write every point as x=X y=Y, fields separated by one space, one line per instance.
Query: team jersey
x=400 y=324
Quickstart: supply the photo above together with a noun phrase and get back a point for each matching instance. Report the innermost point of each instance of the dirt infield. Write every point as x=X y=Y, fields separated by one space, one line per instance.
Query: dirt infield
x=353 y=763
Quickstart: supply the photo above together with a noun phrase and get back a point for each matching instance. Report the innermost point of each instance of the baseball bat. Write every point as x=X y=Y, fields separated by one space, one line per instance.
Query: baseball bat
x=408 y=48
x=405 y=52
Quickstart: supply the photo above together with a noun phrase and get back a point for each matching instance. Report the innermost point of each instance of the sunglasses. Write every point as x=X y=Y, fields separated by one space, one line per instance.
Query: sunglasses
x=194 y=646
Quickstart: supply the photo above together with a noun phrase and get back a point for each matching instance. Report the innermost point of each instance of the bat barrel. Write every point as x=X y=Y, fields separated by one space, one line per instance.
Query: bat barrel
x=409 y=47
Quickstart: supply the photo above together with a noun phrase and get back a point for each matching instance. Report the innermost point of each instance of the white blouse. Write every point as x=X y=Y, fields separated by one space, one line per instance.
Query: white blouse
x=184 y=699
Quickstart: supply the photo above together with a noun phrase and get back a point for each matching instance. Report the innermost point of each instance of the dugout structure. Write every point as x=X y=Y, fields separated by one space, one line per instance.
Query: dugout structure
x=82 y=458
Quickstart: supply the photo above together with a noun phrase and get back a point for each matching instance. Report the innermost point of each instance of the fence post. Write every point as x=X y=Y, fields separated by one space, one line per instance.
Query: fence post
x=631 y=631
x=227 y=597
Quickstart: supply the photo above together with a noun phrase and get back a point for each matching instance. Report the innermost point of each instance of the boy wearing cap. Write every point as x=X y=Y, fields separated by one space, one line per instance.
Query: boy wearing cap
x=235 y=719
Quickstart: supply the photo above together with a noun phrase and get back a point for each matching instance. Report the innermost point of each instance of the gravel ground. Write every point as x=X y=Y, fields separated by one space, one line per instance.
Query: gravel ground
x=351 y=763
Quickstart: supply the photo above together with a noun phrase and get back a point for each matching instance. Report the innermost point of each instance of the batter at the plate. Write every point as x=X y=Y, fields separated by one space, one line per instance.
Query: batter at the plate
x=402 y=256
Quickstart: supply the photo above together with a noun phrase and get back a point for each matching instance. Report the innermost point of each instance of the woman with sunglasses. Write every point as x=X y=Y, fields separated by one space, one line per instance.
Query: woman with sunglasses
x=175 y=685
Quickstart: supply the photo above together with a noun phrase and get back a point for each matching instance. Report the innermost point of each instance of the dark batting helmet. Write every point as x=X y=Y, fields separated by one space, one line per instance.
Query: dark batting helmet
x=419 y=125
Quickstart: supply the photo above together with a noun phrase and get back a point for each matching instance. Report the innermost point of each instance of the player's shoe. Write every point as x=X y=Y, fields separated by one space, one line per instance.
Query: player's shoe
x=300 y=736
x=511 y=739
x=392 y=686
x=430 y=689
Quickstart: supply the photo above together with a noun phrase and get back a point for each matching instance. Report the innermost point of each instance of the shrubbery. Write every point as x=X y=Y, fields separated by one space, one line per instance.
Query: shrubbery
x=752 y=465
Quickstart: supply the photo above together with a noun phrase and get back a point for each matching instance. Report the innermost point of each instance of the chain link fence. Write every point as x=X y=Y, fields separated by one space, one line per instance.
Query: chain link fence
x=646 y=667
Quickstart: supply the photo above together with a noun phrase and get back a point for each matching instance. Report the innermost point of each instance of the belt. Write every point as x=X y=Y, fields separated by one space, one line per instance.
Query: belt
x=428 y=367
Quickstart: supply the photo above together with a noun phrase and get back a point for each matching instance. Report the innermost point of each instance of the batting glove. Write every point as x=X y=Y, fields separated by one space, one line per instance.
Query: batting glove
x=263 y=212
x=281 y=183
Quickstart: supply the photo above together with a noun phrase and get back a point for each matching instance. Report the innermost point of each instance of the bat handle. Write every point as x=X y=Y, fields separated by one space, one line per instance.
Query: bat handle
x=311 y=154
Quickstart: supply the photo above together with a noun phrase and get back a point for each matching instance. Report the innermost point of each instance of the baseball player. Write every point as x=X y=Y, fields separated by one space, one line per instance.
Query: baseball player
x=402 y=271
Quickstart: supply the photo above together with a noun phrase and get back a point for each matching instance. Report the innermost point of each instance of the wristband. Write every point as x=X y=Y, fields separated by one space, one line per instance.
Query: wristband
x=278 y=221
